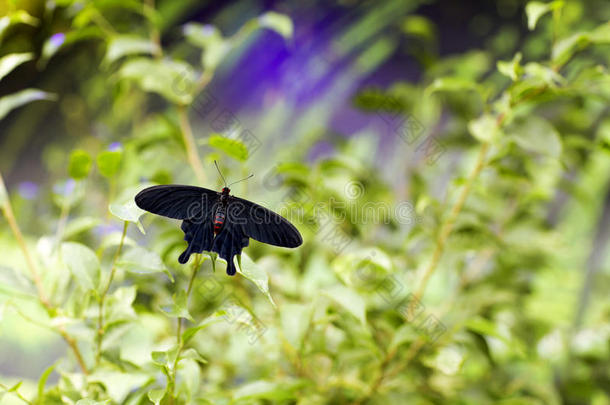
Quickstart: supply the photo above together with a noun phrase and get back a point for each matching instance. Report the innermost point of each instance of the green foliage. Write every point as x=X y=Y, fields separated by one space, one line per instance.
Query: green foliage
x=455 y=261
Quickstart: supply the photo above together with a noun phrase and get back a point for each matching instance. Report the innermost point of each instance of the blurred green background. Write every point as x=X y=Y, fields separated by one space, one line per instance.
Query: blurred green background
x=447 y=163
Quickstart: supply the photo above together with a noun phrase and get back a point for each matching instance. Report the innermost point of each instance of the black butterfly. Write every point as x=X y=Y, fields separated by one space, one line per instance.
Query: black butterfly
x=217 y=222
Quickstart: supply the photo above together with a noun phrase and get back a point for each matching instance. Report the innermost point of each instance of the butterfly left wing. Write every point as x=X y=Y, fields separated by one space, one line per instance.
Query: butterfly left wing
x=178 y=201
x=262 y=224
x=194 y=205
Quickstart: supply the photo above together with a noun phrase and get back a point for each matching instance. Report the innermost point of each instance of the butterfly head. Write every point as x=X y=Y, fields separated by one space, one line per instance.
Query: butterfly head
x=226 y=190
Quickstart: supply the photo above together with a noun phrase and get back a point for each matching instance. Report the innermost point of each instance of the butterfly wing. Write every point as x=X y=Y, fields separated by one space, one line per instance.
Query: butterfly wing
x=230 y=242
x=194 y=205
x=262 y=224
x=177 y=201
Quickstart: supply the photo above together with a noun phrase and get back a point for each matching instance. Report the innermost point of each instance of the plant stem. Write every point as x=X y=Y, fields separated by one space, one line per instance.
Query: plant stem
x=173 y=371
x=189 y=143
x=100 y=319
x=447 y=226
x=16 y=392
x=7 y=210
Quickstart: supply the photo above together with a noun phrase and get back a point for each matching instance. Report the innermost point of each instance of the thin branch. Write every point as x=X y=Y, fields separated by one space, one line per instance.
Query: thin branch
x=7 y=210
x=189 y=142
x=100 y=319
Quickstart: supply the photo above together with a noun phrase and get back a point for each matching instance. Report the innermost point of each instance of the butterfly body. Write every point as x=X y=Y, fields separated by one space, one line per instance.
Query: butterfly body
x=217 y=221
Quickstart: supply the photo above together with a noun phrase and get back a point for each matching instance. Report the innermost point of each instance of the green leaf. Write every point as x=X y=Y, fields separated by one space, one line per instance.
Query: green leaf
x=280 y=23
x=156 y=396
x=17 y=17
x=254 y=273
x=179 y=307
x=42 y=381
x=142 y=261
x=232 y=147
x=484 y=128
x=165 y=358
x=80 y=164
x=123 y=45
x=193 y=354
x=125 y=208
x=11 y=61
x=109 y=162
x=171 y=79
x=15 y=100
x=534 y=10
x=210 y=40
x=452 y=84
x=349 y=300
x=80 y=225
x=275 y=391
x=118 y=384
x=511 y=69
x=535 y=134
x=565 y=48
x=484 y=326
x=188 y=334
x=83 y=264
x=92 y=402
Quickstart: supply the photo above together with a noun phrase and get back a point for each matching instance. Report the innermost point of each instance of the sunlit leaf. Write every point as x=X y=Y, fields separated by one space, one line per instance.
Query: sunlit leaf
x=82 y=263
x=11 y=61
x=189 y=333
x=156 y=396
x=79 y=165
x=484 y=128
x=109 y=162
x=511 y=69
x=535 y=9
x=142 y=261
x=178 y=308
x=349 y=300
x=171 y=79
x=232 y=147
x=280 y=23
x=124 y=45
x=119 y=384
x=254 y=273
x=535 y=134
x=15 y=100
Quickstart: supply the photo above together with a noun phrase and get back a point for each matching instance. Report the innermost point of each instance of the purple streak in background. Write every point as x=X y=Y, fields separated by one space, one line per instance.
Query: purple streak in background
x=57 y=39
x=309 y=71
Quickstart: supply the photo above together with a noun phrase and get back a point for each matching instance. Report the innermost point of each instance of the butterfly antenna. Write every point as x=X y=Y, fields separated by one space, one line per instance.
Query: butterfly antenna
x=221 y=176
x=245 y=178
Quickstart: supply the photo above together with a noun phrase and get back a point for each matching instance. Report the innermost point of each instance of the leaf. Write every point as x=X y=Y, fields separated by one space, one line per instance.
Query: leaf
x=275 y=391
x=452 y=84
x=210 y=40
x=79 y=165
x=15 y=100
x=80 y=225
x=11 y=61
x=349 y=300
x=511 y=69
x=254 y=273
x=565 y=48
x=165 y=358
x=83 y=264
x=535 y=134
x=123 y=45
x=42 y=381
x=119 y=385
x=484 y=128
x=109 y=162
x=179 y=307
x=156 y=396
x=193 y=354
x=171 y=79
x=125 y=208
x=188 y=334
x=92 y=402
x=142 y=261
x=534 y=10
x=232 y=147
x=484 y=327
x=280 y=23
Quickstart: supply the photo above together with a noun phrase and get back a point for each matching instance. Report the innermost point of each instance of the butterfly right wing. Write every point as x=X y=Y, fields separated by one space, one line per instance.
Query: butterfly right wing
x=194 y=205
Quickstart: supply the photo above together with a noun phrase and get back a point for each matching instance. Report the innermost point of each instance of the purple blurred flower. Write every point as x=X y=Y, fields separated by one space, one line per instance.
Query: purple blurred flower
x=65 y=188
x=106 y=229
x=57 y=40
x=115 y=146
x=28 y=190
